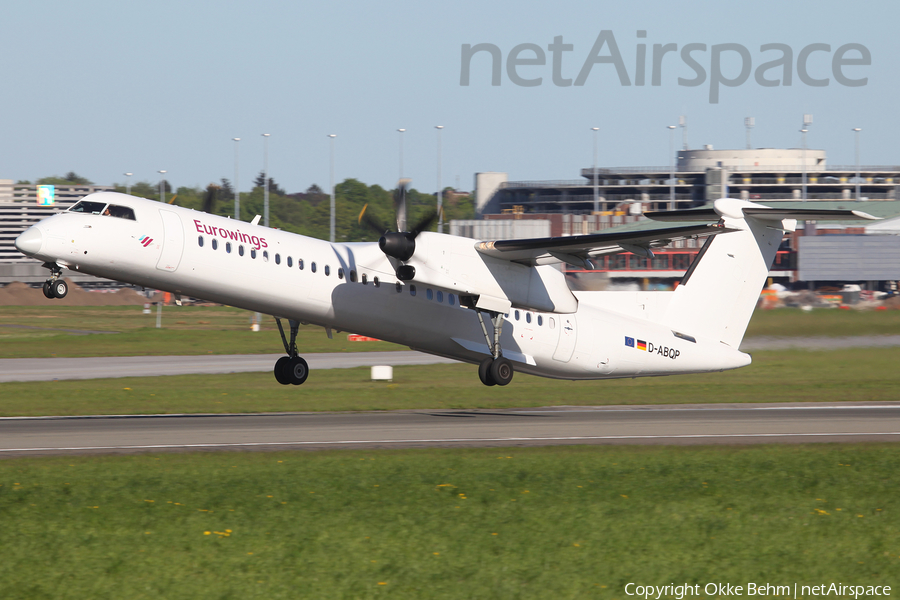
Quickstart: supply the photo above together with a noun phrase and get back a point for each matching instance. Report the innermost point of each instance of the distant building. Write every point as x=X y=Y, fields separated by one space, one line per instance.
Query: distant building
x=700 y=176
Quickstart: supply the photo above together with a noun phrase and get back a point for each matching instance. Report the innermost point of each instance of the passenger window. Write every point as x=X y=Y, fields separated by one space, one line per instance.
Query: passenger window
x=451 y=300
x=252 y=252
x=228 y=247
x=517 y=315
x=429 y=294
x=312 y=267
x=528 y=317
x=265 y=255
x=440 y=296
x=290 y=262
x=412 y=290
x=277 y=259
x=241 y=250
x=215 y=244
x=300 y=263
x=399 y=287
x=327 y=270
x=200 y=241
x=552 y=323
x=376 y=282
x=540 y=320
x=365 y=279
x=353 y=275
x=340 y=273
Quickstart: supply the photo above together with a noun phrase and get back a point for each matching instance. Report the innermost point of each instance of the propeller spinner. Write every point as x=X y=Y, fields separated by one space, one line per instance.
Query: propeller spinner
x=400 y=244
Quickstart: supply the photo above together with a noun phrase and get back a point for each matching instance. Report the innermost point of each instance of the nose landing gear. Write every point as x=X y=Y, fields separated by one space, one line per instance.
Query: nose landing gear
x=495 y=369
x=290 y=369
x=55 y=287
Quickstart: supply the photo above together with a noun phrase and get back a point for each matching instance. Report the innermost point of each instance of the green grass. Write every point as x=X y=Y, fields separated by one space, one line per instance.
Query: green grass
x=186 y=330
x=222 y=330
x=564 y=522
x=793 y=322
x=864 y=374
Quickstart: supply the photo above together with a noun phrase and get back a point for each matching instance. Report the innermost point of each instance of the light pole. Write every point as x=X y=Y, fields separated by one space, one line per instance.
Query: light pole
x=266 y=177
x=331 y=222
x=857 y=130
x=128 y=182
x=749 y=122
x=440 y=192
x=237 y=194
x=682 y=122
x=807 y=121
x=671 y=167
x=400 y=131
x=594 y=173
x=162 y=187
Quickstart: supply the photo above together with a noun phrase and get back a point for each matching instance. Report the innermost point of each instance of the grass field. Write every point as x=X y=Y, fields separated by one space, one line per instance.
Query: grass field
x=565 y=522
x=859 y=374
x=186 y=330
x=222 y=330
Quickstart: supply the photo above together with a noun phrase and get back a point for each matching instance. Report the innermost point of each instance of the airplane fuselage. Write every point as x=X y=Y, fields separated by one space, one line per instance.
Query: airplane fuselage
x=353 y=287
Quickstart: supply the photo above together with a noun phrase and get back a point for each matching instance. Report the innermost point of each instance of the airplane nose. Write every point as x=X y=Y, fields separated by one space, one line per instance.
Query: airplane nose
x=30 y=242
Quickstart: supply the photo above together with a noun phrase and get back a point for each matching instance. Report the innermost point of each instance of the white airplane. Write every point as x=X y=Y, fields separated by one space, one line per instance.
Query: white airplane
x=432 y=292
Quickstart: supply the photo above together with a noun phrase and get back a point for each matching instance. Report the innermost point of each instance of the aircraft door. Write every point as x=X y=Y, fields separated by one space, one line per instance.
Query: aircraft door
x=173 y=241
x=567 y=336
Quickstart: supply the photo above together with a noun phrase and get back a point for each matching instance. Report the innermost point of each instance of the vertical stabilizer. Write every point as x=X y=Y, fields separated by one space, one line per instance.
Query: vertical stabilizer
x=720 y=290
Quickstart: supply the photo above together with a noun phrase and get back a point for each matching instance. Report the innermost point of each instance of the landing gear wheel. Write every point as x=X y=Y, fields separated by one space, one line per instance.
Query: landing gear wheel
x=59 y=288
x=281 y=370
x=297 y=370
x=48 y=293
x=502 y=371
x=484 y=371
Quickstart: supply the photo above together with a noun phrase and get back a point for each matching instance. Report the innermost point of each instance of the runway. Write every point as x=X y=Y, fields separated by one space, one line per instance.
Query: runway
x=688 y=424
x=50 y=369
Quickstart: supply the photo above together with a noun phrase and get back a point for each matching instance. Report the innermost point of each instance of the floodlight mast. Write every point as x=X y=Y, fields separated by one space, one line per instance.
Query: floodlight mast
x=857 y=130
x=594 y=173
x=807 y=121
x=671 y=167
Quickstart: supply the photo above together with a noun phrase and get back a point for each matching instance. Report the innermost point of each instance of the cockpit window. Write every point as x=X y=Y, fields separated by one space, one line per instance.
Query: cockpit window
x=85 y=206
x=123 y=212
x=101 y=208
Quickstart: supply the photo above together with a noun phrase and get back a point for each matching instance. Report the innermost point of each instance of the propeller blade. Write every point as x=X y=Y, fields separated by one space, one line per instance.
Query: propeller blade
x=424 y=223
x=400 y=203
x=371 y=222
x=209 y=199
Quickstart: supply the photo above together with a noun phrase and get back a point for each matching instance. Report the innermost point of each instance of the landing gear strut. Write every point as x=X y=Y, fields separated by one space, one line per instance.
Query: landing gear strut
x=55 y=287
x=494 y=370
x=290 y=369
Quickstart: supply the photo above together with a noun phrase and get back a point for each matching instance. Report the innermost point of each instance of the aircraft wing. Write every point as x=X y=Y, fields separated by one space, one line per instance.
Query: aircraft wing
x=764 y=213
x=579 y=249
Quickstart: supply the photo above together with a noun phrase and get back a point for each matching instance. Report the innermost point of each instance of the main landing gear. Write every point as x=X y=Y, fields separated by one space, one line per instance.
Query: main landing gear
x=494 y=370
x=55 y=287
x=290 y=369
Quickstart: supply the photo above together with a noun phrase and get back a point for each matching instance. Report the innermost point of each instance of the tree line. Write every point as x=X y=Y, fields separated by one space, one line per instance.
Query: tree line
x=308 y=213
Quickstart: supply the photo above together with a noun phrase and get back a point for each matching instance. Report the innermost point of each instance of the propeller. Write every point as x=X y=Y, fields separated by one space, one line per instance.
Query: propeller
x=210 y=198
x=400 y=244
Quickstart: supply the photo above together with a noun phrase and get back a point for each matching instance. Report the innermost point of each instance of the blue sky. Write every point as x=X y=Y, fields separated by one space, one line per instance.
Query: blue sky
x=102 y=88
